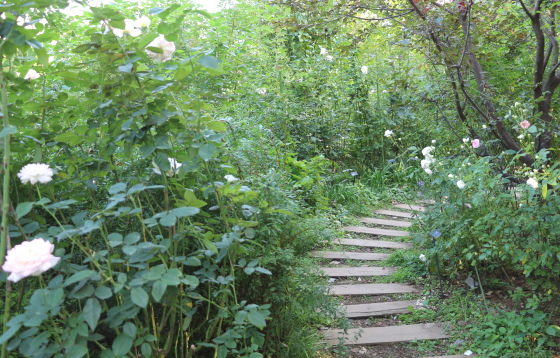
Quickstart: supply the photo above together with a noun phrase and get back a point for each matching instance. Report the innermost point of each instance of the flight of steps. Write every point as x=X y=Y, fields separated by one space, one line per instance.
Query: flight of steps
x=398 y=221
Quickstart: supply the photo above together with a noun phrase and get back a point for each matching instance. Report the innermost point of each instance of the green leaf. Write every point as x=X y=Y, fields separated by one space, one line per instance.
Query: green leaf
x=209 y=62
x=130 y=329
x=78 y=276
x=103 y=292
x=139 y=297
x=35 y=44
x=76 y=351
x=206 y=151
x=9 y=333
x=7 y=131
x=147 y=39
x=127 y=68
x=257 y=319
x=23 y=209
x=122 y=344
x=552 y=330
x=168 y=220
x=92 y=312
x=158 y=290
x=70 y=138
x=185 y=211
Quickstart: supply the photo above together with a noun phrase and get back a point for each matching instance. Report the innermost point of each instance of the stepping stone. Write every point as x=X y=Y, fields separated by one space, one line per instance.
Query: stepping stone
x=375 y=231
x=385 y=222
x=364 y=256
x=371 y=289
x=410 y=207
x=394 y=213
x=378 y=309
x=373 y=243
x=390 y=334
x=357 y=271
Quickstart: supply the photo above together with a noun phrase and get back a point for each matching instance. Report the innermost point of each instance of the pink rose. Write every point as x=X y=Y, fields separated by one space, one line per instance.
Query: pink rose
x=476 y=143
x=30 y=258
x=525 y=124
x=167 y=48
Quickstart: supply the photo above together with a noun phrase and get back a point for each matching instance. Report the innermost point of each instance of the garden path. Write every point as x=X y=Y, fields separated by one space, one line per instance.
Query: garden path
x=383 y=307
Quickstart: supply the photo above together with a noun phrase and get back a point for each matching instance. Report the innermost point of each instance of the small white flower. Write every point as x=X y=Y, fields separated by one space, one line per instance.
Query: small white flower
x=166 y=46
x=433 y=141
x=533 y=183
x=468 y=353
x=460 y=184
x=428 y=171
x=521 y=136
x=450 y=176
x=35 y=173
x=261 y=91
x=175 y=165
x=426 y=151
x=422 y=258
x=144 y=21
x=230 y=178
x=425 y=163
x=31 y=75
x=388 y=133
x=329 y=58
x=323 y=51
x=466 y=140
x=484 y=126
x=364 y=70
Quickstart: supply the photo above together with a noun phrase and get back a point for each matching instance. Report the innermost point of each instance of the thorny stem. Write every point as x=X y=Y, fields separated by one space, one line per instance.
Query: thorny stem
x=5 y=193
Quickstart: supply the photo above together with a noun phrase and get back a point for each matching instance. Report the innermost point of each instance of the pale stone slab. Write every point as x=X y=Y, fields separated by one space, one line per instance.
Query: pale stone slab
x=390 y=334
x=386 y=222
x=371 y=289
x=375 y=231
x=410 y=207
x=357 y=271
x=394 y=213
x=343 y=255
x=378 y=309
x=373 y=243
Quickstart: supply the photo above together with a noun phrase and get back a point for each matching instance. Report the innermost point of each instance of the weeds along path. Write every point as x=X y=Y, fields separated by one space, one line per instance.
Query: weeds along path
x=379 y=299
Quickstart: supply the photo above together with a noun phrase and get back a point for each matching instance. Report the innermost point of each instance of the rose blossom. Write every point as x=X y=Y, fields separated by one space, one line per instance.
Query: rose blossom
x=422 y=258
x=35 y=173
x=460 y=184
x=364 y=70
x=167 y=47
x=476 y=143
x=175 y=165
x=525 y=124
x=533 y=183
x=30 y=258
x=144 y=21
x=31 y=75
x=388 y=133
x=230 y=178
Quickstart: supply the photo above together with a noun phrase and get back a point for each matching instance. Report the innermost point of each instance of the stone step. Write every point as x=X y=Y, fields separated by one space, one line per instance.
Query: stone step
x=378 y=309
x=410 y=207
x=394 y=213
x=386 y=222
x=357 y=271
x=371 y=289
x=390 y=334
x=375 y=231
x=373 y=243
x=347 y=255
